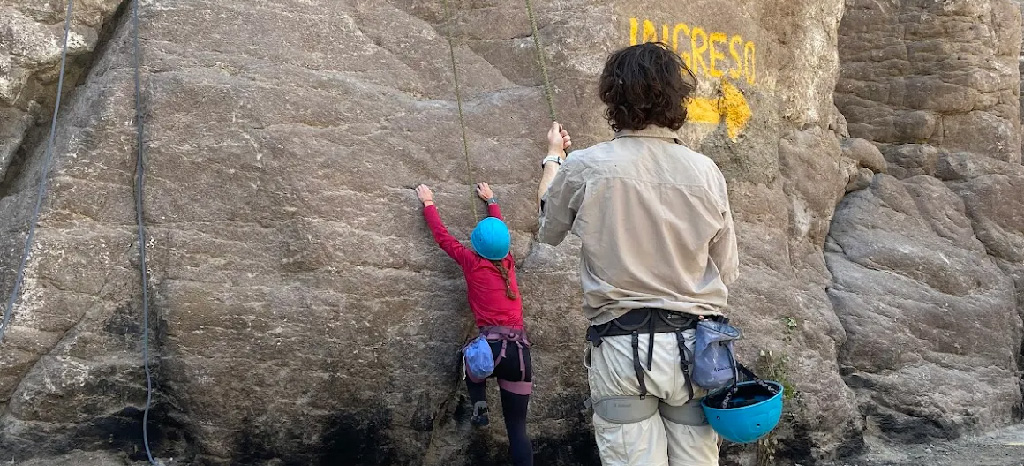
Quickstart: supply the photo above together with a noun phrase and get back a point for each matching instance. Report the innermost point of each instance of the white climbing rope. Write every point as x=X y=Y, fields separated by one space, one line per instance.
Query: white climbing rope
x=43 y=178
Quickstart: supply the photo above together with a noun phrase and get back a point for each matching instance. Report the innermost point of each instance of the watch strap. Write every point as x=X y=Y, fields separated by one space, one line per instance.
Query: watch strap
x=551 y=158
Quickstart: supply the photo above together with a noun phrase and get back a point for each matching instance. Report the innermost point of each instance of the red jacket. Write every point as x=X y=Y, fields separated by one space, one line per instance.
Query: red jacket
x=485 y=287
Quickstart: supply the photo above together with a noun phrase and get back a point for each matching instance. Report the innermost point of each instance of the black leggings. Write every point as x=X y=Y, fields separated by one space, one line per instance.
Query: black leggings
x=514 y=406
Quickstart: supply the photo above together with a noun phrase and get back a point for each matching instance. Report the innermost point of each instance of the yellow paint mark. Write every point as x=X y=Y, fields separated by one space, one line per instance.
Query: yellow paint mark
x=716 y=56
x=650 y=32
x=702 y=110
x=731 y=106
x=736 y=110
x=750 y=62
x=698 y=52
x=704 y=53
x=681 y=27
x=737 y=70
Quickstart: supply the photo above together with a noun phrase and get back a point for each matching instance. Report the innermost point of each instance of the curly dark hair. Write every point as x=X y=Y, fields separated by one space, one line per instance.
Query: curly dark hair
x=646 y=84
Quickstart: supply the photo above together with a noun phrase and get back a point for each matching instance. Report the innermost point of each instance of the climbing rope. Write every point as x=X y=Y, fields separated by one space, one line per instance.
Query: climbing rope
x=44 y=171
x=542 y=64
x=458 y=102
x=41 y=194
x=140 y=184
x=548 y=95
x=141 y=171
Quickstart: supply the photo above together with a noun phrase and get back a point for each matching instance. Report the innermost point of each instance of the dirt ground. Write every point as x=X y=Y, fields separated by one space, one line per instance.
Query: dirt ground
x=1000 y=448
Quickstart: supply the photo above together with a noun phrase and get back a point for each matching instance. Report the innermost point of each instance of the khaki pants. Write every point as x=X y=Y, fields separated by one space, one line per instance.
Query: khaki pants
x=654 y=441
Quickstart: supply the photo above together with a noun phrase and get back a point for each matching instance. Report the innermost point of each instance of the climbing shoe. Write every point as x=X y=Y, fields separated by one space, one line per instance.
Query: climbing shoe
x=479 y=418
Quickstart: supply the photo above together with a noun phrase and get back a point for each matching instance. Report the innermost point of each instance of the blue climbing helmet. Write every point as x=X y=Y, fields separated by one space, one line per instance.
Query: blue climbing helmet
x=491 y=239
x=745 y=412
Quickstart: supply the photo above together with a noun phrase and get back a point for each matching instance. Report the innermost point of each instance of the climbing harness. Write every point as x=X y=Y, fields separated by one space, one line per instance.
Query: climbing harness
x=629 y=409
x=760 y=400
x=43 y=178
x=140 y=184
x=648 y=321
x=506 y=335
x=690 y=413
x=480 y=347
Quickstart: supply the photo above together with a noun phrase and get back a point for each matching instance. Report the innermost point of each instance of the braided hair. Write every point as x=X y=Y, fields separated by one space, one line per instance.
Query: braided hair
x=508 y=282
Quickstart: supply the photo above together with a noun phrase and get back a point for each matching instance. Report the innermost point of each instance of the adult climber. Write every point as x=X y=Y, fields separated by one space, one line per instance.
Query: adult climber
x=658 y=251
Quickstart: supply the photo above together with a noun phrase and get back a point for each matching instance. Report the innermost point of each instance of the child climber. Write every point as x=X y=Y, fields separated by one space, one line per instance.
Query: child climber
x=498 y=308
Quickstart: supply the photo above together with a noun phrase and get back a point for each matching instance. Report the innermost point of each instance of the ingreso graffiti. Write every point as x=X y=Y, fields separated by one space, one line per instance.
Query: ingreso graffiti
x=715 y=55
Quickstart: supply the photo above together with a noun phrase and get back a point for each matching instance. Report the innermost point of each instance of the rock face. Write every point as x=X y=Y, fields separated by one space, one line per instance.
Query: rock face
x=932 y=326
x=31 y=35
x=926 y=262
x=1021 y=64
x=937 y=73
x=303 y=315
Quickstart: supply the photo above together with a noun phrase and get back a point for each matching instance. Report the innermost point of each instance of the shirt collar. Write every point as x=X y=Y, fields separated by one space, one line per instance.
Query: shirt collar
x=651 y=131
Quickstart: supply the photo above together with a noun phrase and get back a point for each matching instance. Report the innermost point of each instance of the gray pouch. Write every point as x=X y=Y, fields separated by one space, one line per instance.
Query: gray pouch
x=714 y=365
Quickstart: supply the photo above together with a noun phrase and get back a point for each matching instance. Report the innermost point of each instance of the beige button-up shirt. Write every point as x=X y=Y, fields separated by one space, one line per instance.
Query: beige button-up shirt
x=655 y=223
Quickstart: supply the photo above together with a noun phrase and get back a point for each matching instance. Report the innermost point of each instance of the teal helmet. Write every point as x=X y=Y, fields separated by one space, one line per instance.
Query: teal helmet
x=746 y=414
x=491 y=239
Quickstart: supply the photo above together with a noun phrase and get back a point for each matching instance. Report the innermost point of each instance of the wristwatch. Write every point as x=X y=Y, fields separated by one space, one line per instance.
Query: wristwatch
x=493 y=200
x=551 y=158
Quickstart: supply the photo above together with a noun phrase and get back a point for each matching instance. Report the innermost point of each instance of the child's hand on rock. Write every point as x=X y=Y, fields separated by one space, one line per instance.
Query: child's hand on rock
x=425 y=195
x=484 y=191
